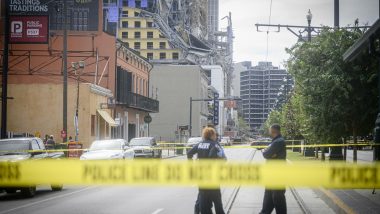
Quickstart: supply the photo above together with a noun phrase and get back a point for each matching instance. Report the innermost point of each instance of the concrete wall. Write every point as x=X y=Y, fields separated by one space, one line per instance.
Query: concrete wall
x=38 y=108
x=176 y=84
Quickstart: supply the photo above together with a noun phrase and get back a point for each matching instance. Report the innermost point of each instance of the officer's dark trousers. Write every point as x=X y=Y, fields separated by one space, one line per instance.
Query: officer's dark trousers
x=274 y=199
x=207 y=197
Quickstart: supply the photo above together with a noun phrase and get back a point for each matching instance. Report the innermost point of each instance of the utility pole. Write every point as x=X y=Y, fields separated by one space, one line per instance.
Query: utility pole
x=64 y=58
x=4 y=94
x=78 y=67
x=336 y=13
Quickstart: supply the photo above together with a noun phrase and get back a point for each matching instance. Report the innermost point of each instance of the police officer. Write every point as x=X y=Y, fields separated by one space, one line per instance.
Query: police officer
x=208 y=149
x=275 y=198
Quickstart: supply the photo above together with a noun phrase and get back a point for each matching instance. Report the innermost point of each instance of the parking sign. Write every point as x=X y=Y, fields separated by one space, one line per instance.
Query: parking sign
x=29 y=29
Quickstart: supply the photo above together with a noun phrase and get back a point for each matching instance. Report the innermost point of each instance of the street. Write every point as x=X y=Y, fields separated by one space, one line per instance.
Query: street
x=115 y=199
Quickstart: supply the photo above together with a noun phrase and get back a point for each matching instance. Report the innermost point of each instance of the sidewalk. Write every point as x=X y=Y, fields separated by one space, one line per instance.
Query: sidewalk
x=249 y=200
x=353 y=200
x=360 y=201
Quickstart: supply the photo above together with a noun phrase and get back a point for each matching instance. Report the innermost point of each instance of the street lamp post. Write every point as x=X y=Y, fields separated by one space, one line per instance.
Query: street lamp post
x=64 y=56
x=76 y=66
x=309 y=16
x=4 y=92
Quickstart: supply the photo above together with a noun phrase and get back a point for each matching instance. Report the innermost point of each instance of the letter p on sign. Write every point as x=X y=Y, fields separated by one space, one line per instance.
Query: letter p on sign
x=16 y=27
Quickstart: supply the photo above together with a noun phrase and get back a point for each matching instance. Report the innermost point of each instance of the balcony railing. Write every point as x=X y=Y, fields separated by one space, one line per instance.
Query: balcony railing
x=138 y=101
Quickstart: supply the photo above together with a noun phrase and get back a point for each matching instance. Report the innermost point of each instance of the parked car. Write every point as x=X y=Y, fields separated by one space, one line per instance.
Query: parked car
x=225 y=141
x=108 y=150
x=192 y=142
x=146 y=147
x=20 y=149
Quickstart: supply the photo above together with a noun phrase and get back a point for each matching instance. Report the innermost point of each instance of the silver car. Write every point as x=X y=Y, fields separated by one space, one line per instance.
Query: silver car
x=146 y=147
x=108 y=150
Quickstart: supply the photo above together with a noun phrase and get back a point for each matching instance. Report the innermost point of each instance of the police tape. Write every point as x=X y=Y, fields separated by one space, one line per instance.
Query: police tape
x=206 y=174
x=189 y=147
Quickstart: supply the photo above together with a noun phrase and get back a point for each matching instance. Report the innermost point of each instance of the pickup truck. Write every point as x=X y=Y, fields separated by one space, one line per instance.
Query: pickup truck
x=20 y=149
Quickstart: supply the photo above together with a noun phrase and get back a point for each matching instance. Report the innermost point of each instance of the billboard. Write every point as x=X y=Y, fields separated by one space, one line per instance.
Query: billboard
x=29 y=29
x=83 y=15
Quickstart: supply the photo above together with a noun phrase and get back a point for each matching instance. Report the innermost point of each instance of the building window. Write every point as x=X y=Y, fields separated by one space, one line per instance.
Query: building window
x=149 y=24
x=149 y=56
x=137 y=35
x=141 y=86
x=149 y=35
x=162 y=55
x=124 y=13
x=149 y=45
x=137 y=24
x=175 y=55
x=127 y=44
x=137 y=45
x=125 y=3
x=124 y=24
x=124 y=35
x=137 y=14
x=138 y=3
x=93 y=125
x=133 y=83
x=162 y=45
x=136 y=85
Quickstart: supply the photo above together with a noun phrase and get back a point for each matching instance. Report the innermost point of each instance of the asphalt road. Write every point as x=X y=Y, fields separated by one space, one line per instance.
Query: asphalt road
x=115 y=199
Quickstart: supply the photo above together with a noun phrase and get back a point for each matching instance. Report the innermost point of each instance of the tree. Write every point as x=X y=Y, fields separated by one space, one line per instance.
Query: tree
x=335 y=98
x=274 y=117
x=244 y=128
x=291 y=126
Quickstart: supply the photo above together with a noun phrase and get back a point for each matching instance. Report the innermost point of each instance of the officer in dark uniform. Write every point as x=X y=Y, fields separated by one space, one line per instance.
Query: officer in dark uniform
x=275 y=198
x=208 y=149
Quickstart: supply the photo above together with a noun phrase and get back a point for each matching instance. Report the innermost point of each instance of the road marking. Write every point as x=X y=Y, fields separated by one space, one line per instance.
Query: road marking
x=48 y=199
x=158 y=211
x=337 y=201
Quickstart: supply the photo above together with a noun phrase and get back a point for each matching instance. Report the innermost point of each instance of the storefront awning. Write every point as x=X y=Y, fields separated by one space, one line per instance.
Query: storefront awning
x=107 y=117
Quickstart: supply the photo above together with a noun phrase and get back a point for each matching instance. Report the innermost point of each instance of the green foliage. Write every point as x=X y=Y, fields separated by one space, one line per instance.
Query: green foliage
x=273 y=118
x=331 y=98
x=244 y=129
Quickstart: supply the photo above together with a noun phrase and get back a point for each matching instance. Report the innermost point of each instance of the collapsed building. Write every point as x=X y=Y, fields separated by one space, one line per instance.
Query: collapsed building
x=175 y=32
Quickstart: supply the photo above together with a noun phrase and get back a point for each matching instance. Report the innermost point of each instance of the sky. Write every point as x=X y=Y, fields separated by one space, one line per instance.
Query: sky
x=250 y=45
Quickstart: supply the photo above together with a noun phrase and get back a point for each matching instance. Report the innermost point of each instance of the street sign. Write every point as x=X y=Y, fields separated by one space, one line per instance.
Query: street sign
x=147 y=119
x=29 y=29
x=216 y=109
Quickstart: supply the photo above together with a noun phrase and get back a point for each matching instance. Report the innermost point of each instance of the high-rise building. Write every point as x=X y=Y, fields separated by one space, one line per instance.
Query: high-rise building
x=163 y=32
x=259 y=89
